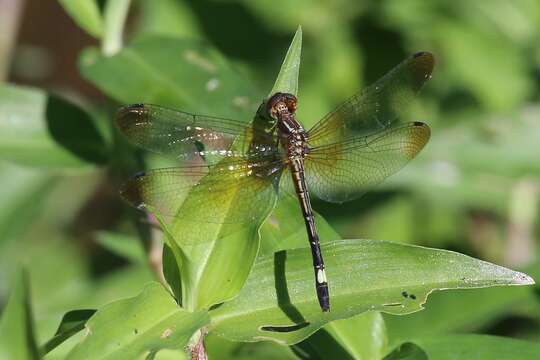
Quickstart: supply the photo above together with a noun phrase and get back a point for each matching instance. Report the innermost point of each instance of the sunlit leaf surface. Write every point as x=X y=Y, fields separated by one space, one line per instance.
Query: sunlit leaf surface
x=278 y=301
x=140 y=326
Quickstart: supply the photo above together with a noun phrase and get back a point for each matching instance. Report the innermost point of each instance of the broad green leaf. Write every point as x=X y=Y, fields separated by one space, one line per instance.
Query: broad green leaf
x=138 y=327
x=363 y=336
x=216 y=258
x=278 y=301
x=46 y=131
x=407 y=351
x=287 y=79
x=17 y=339
x=478 y=347
x=122 y=245
x=183 y=74
x=72 y=323
x=86 y=14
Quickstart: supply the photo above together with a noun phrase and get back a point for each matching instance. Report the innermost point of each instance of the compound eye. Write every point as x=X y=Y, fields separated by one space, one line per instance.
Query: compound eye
x=291 y=105
x=278 y=107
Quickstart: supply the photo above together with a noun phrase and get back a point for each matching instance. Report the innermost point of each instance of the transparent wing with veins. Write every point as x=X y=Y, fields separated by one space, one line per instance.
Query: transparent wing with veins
x=359 y=144
x=376 y=107
x=186 y=136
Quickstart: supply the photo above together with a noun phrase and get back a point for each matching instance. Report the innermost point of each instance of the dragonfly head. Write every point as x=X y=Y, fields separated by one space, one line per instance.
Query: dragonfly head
x=280 y=103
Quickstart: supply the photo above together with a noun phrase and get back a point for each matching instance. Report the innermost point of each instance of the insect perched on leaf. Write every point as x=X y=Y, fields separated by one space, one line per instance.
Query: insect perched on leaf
x=350 y=150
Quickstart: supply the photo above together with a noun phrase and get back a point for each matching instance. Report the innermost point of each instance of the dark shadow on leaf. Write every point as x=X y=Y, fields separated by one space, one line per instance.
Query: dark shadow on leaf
x=407 y=351
x=74 y=130
x=171 y=271
x=285 y=329
x=320 y=345
x=282 y=293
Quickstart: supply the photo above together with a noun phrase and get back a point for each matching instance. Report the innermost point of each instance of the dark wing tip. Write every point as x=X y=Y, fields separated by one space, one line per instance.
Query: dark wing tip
x=420 y=137
x=132 y=190
x=422 y=64
x=128 y=115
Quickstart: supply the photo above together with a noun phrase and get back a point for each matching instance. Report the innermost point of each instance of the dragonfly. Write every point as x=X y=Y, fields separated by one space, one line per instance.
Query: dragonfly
x=349 y=151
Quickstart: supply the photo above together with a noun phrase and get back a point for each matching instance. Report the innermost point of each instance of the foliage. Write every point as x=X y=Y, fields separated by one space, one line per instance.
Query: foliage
x=474 y=189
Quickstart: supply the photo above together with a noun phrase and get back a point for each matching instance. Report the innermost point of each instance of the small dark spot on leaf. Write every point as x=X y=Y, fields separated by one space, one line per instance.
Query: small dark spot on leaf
x=405 y=294
x=413 y=296
x=393 y=304
x=285 y=328
x=136 y=331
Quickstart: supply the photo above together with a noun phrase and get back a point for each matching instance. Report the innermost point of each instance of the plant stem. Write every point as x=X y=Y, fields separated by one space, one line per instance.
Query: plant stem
x=114 y=15
x=10 y=16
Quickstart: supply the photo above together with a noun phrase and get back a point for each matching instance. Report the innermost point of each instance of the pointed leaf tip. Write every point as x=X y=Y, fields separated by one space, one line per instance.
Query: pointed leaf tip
x=523 y=279
x=287 y=79
x=364 y=275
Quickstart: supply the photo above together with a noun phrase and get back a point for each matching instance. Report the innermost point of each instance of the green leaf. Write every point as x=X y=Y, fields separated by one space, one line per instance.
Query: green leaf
x=17 y=339
x=171 y=272
x=215 y=258
x=407 y=351
x=72 y=323
x=278 y=301
x=122 y=245
x=458 y=311
x=478 y=347
x=43 y=130
x=363 y=336
x=319 y=346
x=138 y=327
x=179 y=73
x=287 y=79
x=86 y=14
x=219 y=348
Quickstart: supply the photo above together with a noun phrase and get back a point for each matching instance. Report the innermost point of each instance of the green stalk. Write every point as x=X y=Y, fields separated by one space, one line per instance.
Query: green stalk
x=115 y=15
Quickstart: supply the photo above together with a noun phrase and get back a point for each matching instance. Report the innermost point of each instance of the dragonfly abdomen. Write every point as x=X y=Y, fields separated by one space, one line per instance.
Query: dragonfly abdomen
x=293 y=138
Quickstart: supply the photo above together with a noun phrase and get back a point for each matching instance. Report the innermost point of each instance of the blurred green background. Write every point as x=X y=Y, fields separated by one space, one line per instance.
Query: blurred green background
x=474 y=189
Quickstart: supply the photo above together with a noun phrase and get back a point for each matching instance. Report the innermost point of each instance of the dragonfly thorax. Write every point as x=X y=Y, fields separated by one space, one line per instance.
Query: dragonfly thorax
x=292 y=135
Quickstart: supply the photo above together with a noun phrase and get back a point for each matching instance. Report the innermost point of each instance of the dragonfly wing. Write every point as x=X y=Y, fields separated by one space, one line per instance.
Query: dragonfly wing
x=229 y=192
x=187 y=136
x=376 y=107
x=344 y=171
